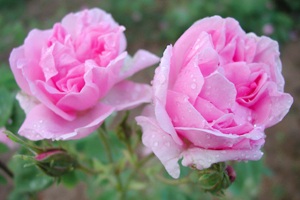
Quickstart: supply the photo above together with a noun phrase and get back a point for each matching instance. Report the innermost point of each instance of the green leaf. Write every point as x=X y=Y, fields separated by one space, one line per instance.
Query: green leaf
x=7 y=78
x=109 y=195
x=70 y=180
x=16 y=119
x=6 y=105
x=3 y=180
x=28 y=179
x=3 y=148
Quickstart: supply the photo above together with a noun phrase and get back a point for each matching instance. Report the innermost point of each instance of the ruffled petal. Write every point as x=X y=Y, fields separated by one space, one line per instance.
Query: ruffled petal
x=202 y=158
x=127 y=95
x=162 y=144
x=141 y=59
x=219 y=91
x=42 y=123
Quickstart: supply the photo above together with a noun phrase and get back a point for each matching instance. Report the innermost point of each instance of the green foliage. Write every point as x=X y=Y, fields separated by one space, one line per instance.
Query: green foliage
x=3 y=148
x=3 y=180
x=6 y=105
x=28 y=179
x=247 y=183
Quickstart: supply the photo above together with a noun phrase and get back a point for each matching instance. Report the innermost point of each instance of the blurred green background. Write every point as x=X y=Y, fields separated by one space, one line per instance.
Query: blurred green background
x=151 y=25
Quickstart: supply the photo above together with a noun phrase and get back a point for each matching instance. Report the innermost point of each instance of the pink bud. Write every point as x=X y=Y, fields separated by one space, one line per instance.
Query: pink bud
x=231 y=173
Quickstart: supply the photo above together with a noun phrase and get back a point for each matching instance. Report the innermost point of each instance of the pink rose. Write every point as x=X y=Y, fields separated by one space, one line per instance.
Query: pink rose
x=72 y=76
x=215 y=92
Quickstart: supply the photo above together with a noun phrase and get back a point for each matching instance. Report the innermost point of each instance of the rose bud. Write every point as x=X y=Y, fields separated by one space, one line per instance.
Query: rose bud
x=215 y=179
x=56 y=163
x=231 y=173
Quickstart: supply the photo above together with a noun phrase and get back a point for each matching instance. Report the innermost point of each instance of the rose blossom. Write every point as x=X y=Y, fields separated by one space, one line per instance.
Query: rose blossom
x=215 y=92
x=72 y=76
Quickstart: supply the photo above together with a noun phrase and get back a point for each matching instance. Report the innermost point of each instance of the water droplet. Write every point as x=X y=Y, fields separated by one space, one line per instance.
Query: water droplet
x=249 y=118
x=167 y=144
x=207 y=136
x=223 y=151
x=41 y=121
x=197 y=47
x=193 y=86
x=194 y=79
x=155 y=144
x=153 y=135
x=192 y=75
x=243 y=155
x=217 y=156
x=247 y=156
x=34 y=125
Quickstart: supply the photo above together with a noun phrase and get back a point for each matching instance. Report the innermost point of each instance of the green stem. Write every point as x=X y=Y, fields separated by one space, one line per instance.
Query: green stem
x=88 y=170
x=110 y=158
x=172 y=181
x=6 y=170
x=134 y=172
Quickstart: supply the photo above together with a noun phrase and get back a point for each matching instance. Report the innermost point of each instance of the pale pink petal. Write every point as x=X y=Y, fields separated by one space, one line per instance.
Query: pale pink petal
x=207 y=109
x=267 y=51
x=42 y=123
x=219 y=91
x=189 y=81
x=208 y=61
x=127 y=95
x=16 y=68
x=182 y=112
x=162 y=144
x=106 y=77
x=215 y=139
x=271 y=107
x=35 y=42
x=161 y=77
x=78 y=100
x=27 y=102
x=141 y=59
x=202 y=42
x=202 y=158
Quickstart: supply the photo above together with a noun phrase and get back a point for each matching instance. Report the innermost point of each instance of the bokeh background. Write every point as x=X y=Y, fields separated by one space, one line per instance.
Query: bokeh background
x=151 y=25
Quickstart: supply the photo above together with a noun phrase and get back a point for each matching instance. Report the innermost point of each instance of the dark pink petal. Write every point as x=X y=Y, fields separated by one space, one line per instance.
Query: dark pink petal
x=42 y=123
x=127 y=95
x=162 y=144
